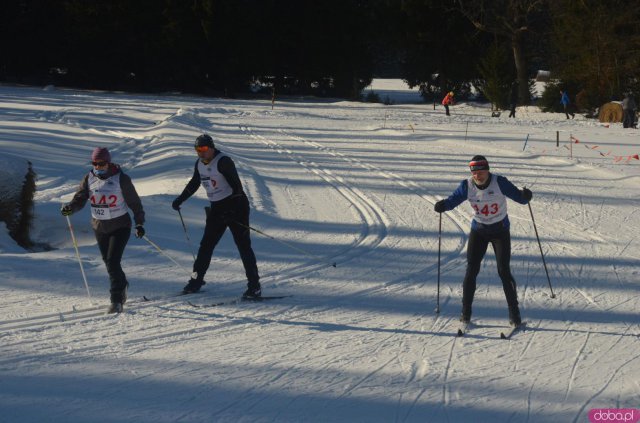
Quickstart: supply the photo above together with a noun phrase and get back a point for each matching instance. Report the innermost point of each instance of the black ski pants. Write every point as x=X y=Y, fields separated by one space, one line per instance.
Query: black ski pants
x=629 y=118
x=477 y=247
x=233 y=214
x=112 y=248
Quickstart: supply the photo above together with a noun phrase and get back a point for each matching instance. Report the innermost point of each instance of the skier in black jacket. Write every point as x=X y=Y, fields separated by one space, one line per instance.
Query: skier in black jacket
x=217 y=174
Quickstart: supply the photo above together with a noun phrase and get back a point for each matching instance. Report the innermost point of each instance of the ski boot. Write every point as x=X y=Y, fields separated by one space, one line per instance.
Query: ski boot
x=193 y=286
x=514 y=316
x=253 y=292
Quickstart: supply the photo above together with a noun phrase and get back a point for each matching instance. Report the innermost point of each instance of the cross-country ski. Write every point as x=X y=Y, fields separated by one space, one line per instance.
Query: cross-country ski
x=236 y=300
x=508 y=333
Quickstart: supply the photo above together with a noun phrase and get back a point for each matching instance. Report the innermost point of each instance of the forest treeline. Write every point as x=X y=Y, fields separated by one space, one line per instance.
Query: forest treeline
x=324 y=47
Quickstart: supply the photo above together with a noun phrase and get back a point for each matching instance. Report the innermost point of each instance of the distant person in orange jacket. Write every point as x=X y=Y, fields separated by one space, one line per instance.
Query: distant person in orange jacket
x=447 y=100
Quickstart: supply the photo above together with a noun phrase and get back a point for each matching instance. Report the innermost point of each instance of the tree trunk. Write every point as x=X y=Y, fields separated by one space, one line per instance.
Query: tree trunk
x=521 y=68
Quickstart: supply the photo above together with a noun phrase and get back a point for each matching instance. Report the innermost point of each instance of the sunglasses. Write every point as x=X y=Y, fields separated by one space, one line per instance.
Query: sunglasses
x=202 y=149
x=99 y=164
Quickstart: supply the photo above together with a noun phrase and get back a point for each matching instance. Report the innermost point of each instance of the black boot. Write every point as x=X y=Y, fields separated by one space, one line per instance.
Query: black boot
x=193 y=286
x=253 y=291
x=514 y=316
x=115 y=308
x=465 y=316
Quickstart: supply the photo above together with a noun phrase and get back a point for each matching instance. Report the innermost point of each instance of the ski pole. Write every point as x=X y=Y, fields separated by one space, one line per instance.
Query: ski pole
x=186 y=234
x=283 y=243
x=541 y=253
x=165 y=254
x=439 y=245
x=75 y=245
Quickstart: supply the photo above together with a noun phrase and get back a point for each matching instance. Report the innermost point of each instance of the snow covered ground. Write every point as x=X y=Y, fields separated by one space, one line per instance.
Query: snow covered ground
x=350 y=183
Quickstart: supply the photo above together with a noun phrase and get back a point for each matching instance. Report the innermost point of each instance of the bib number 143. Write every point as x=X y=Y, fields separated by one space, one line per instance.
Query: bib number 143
x=487 y=209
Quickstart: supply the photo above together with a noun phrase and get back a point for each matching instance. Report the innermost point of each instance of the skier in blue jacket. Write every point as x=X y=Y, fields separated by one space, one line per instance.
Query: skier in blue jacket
x=564 y=99
x=487 y=194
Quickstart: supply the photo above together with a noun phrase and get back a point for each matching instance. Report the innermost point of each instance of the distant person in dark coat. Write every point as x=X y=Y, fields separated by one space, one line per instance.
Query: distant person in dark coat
x=513 y=99
x=629 y=109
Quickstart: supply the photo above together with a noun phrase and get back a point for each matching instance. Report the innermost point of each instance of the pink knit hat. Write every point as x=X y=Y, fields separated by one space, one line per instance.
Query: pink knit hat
x=101 y=154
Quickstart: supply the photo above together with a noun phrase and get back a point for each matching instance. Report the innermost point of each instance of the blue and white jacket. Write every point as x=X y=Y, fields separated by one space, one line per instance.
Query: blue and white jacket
x=488 y=203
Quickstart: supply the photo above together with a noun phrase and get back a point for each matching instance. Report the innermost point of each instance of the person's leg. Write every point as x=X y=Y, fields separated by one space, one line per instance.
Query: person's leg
x=242 y=237
x=213 y=231
x=112 y=249
x=502 y=248
x=476 y=249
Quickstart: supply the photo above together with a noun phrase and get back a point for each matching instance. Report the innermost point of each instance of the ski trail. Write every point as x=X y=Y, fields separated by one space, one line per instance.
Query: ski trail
x=607 y=383
x=574 y=368
x=527 y=347
x=454 y=216
x=375 y=221
x=445 y=383
x=370 y=374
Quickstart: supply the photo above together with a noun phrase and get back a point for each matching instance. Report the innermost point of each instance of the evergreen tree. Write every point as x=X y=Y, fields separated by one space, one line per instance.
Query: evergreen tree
x=597 y=47
x=512 y=19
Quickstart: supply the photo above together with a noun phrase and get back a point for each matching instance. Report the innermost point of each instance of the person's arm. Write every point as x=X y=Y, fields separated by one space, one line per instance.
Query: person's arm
x=458 y=196
x=511 y=191
x=228 y=170
x=132 y=198
x=81 y=196
x=192 y=185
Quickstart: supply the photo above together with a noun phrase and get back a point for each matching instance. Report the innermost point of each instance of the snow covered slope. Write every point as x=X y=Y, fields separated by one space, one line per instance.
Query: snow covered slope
x=349 y=183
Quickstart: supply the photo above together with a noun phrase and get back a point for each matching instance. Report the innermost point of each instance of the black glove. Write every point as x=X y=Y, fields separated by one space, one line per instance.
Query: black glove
x=440 y=207
x=139 y=231
x=527 y=194
x=66 y=210
x=176 y=204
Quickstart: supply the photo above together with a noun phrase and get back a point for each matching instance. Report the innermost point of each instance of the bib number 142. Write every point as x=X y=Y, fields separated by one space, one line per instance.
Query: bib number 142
x=111 y=201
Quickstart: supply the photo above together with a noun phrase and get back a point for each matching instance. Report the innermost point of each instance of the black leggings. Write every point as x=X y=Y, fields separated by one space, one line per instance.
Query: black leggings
x=112 y=247
x=478 y=243
x=214 y=230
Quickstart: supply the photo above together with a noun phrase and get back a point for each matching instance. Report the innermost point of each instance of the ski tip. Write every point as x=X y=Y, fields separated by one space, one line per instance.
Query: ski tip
x=460 y=332
x=502 y=335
